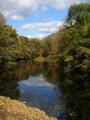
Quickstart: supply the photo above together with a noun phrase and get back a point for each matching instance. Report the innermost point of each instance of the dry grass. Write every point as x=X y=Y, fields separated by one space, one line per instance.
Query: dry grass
x=15 y=110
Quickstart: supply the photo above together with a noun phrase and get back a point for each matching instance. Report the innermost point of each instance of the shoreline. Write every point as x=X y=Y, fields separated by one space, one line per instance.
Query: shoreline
x=15 y=110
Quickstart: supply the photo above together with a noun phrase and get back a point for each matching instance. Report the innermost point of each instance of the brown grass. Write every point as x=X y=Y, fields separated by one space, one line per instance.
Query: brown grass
x=15 y=110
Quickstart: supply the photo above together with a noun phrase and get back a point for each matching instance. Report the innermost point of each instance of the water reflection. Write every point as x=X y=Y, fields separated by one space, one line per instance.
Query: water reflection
x=41 y=88
x=50 y=72
x=76 y=89
x=63 y=95
x=8 y=84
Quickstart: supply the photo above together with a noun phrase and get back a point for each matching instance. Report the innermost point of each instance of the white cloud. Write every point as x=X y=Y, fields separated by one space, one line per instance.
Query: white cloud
x=44 y=27
x=39 y=36
x=16 y=17
x=44 y=9
x=22 y=8
x=62 y=4
x=13 y=17
x=18 y=9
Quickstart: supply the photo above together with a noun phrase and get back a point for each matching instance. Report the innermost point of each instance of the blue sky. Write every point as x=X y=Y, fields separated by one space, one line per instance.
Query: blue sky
x=36 y=18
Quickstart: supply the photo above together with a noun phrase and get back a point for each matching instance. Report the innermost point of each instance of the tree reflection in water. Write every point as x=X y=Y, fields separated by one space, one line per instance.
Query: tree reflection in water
x=74 y=87
x=8 y=84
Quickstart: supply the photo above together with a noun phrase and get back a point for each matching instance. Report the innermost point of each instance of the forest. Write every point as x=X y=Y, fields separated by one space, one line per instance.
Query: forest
x=69 y=47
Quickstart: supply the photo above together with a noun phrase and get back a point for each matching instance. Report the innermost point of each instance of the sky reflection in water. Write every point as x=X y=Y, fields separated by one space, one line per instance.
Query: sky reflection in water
x=36 y=91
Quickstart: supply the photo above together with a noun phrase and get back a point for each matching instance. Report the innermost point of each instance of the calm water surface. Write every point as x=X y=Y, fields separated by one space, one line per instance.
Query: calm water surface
x=48 y=88
x=40 y=88
x=36 y=91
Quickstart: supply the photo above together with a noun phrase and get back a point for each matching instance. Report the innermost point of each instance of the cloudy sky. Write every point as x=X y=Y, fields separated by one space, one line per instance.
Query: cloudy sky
x=36 y=18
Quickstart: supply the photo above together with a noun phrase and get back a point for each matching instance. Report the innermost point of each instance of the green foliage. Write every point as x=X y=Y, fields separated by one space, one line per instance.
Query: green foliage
x=40 y=59
x=70 y=47
x=10 y=65
x=14 y=47
x=2 y=20
x=80 y=14
x=63 y=46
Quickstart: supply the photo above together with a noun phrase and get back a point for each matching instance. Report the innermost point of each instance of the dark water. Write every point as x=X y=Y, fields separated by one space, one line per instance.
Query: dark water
x=47 y=87
x=40 y=88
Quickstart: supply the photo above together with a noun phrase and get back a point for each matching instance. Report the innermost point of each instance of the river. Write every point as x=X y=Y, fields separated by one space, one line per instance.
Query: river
x=42 y=86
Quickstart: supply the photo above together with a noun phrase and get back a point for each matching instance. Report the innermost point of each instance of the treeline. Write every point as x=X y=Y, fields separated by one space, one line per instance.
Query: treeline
x=14 y=47
x=71 y=44
x=70 y=47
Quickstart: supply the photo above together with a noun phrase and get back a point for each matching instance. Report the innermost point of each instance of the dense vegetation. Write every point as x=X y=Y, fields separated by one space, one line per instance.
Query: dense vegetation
x=70 y=47
x=14 y=47
x=69 y=44
x=73 y=40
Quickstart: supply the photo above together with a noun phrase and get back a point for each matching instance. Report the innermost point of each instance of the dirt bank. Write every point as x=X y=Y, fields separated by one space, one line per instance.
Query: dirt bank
x=15 y=110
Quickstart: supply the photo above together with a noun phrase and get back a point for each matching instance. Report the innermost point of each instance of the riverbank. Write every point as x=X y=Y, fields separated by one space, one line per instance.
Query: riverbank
x=15 y=110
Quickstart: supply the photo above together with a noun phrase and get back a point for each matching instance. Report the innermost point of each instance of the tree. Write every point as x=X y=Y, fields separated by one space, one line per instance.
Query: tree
x=2 y=20
x=79 y=14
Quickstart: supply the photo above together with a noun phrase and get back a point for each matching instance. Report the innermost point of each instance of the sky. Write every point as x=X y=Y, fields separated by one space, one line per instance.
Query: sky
x=36 y=18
